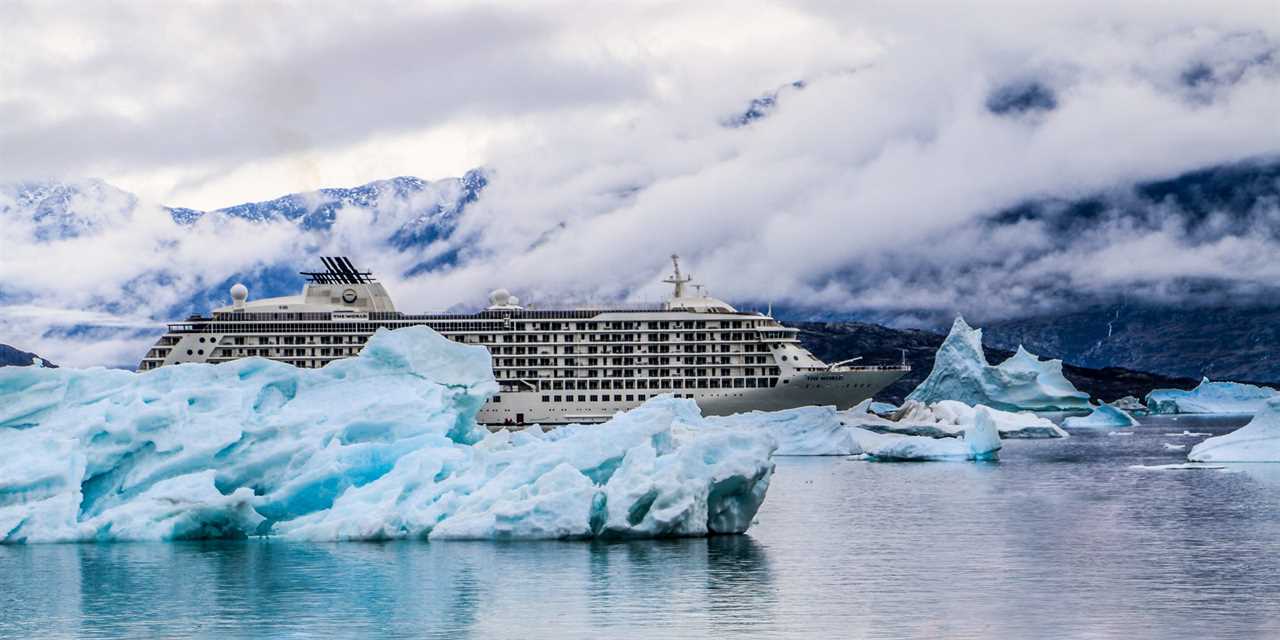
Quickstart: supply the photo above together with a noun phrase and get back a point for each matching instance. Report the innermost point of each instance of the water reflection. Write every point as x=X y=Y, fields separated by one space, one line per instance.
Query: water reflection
x=452 y=589
x=1060 y=539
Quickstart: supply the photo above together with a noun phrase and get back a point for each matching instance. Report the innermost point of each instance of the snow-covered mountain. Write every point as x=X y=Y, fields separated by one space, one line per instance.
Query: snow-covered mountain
x=59 y=210
x=420 y=211
x=435 y=206
x=14 y=357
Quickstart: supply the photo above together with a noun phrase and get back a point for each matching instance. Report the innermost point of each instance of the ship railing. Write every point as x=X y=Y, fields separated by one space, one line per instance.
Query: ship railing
x=873 y=367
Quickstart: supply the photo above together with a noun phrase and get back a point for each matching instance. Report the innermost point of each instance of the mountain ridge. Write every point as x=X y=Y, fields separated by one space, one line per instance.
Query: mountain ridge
x=15 y=357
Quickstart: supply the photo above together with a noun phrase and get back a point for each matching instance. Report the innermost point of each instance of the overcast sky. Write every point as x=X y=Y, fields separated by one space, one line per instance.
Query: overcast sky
x=601 y=126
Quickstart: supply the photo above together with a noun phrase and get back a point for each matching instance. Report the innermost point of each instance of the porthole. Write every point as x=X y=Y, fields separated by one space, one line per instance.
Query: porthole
x=200 y=352
x=201 y=339
x=188 y=352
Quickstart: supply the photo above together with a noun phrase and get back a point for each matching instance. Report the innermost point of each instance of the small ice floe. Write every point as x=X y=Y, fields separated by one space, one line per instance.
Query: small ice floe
x=948 y=419
x=1174 y=447
x=881 y=407
x=1103 y=416
x=979 y=442
x=1188 y=434
x=1120 y=433
x=1181 y=466
x=1130 y=405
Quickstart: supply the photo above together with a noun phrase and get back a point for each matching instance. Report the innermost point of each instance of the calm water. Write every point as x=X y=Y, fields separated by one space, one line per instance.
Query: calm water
x=1059 y=540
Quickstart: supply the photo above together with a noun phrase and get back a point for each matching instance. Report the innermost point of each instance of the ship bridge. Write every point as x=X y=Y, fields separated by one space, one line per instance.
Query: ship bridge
x=341 y=287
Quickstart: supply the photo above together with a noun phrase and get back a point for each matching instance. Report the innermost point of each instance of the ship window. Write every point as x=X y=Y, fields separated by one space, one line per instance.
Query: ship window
x=201 y=352
x=497 y=398
x=201 y=339
x=631 y=397
x=595 y=398
x=559 y=398
x=188 y=352
x=546 y=398
x=582 y=398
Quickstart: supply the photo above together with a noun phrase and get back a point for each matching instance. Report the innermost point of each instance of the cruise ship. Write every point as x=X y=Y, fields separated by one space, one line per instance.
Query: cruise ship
x=552 y=366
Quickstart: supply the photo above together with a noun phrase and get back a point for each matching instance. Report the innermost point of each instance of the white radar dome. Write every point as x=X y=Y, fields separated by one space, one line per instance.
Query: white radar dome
x=500 y=298
x=513 y=301
x=239 y=292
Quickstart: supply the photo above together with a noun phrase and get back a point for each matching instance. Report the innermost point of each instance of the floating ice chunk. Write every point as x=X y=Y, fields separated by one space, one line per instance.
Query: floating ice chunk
x=803 y=431
x=949 y=418
x=1105 y=416
x=1130 y=405
x=1174 y=447
x=980 y=442
x=1120 y=433
x=1023 y=382
x=383 y=445
x=1258 y=441
x=1211 y=397
x=881 y=407
x=1188 y=434
x=1178 y=467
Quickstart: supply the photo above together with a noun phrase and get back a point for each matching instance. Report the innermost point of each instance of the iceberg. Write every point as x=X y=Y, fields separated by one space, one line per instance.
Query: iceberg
x=380 y=446
x=1130 y=405
x=979 y=442
x=1105 y=416
x=948 y=419
x=880 y=407
x=1258 y=441
x=1211 y=397
x=1023 y=382
x=803 y=431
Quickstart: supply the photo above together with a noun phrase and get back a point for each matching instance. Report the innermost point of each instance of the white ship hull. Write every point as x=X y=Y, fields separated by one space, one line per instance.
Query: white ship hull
x=840 y=389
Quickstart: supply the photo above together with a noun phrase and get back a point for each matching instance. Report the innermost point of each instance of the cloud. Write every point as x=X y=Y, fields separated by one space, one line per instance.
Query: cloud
x=602 y=129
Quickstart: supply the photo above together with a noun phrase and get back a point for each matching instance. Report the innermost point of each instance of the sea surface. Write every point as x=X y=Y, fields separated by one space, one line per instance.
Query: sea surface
x=1060 y=539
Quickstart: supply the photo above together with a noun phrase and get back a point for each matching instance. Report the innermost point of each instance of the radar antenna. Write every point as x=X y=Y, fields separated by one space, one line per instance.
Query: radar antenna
x=676 y=279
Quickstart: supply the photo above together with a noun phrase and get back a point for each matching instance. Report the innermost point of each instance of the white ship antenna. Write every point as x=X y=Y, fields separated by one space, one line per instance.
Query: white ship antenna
x=676 y=279
x=770 y=312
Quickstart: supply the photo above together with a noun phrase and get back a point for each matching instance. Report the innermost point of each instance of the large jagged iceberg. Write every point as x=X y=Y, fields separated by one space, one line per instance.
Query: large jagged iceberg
x=1258 y=441
x=1023 y=382
x=380 y=446
x=949 y=419
x=1211 y=397
x=1105 y=416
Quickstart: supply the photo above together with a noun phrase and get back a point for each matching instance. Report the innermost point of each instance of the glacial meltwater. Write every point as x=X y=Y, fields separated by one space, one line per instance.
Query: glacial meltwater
x=1060 y=539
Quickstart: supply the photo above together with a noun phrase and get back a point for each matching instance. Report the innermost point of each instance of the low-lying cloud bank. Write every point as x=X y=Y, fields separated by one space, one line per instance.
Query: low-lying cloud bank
x=889 y=163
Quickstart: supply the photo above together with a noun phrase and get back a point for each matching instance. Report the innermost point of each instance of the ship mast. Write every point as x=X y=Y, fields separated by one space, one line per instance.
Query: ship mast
x=676 y=279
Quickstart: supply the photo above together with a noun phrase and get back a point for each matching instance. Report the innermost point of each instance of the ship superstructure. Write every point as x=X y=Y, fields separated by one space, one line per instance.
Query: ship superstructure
x=552 y=366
